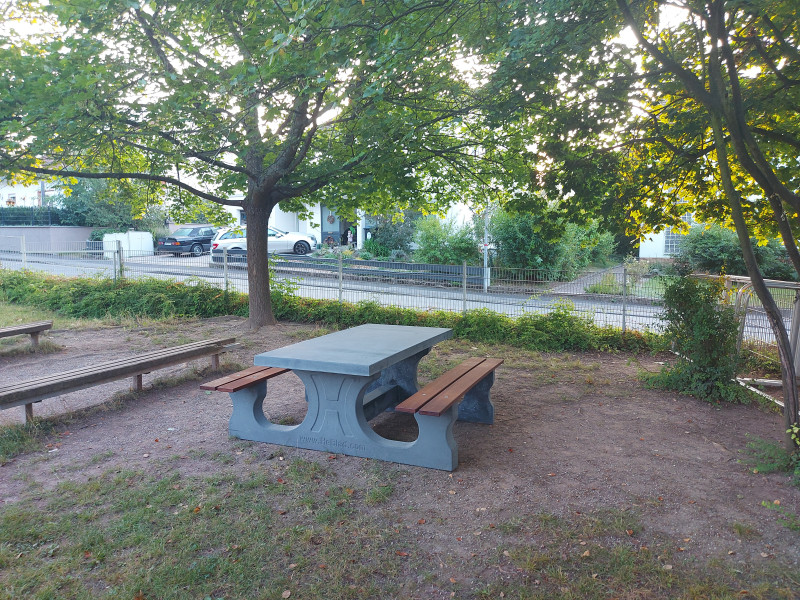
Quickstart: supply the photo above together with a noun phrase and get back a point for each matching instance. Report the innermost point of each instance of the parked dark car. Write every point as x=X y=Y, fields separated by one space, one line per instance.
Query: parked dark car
x=188 y=240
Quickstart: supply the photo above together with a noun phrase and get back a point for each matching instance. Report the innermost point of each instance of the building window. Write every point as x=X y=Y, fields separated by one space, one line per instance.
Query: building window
x=672 y=240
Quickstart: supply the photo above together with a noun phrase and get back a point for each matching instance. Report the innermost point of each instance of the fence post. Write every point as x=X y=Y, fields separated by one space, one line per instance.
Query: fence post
x=225 y=266
x=340 y=277
x=795 y=331
x=22 y=251
x=464 y=287
x=121 y=269
x=624 y=296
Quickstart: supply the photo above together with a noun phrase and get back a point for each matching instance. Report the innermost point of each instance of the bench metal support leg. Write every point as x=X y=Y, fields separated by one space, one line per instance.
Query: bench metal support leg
x=477 y=407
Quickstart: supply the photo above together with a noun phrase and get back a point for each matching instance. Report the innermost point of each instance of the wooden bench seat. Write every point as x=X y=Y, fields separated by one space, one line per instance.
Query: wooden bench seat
x=243 y=379
x=32 y=329
x=437 y=397
x=47 y=386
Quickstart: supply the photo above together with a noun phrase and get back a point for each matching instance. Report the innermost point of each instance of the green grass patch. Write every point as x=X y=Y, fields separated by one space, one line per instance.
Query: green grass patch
x=601 y=556
x=299 y=526
x=561 y=329
x=19 y=439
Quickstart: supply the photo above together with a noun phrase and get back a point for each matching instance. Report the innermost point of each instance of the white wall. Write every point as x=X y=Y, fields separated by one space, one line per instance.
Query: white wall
x=24 y=195
x=652 y=246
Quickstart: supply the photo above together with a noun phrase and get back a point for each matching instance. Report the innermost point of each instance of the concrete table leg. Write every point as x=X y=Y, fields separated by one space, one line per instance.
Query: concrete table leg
x=402 y=374
x=477 y=407
x=335 y=423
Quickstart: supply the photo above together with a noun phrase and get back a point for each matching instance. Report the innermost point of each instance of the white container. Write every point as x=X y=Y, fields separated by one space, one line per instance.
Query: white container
x=134 y=243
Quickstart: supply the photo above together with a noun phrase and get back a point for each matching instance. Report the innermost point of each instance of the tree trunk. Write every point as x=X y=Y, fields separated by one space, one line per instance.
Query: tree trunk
x=785 y=355
x=258 y=213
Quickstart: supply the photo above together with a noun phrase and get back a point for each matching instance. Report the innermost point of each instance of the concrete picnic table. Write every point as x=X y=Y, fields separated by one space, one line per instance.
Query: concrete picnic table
x=351 y=376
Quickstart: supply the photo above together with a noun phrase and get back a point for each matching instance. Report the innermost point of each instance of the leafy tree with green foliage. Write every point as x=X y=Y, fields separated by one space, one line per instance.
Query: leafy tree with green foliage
x=696 y=110
x=716 y=249
x=289 y=102
x=395 y=233
x=110 y=207
x=544 y=241
x=444 y=243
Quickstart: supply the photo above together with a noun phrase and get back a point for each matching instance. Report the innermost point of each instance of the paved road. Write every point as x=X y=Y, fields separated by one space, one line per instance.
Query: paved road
x=603 y=310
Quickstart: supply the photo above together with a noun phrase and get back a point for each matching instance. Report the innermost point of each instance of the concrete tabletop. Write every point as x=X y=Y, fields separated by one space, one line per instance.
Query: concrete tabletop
x=362 y=350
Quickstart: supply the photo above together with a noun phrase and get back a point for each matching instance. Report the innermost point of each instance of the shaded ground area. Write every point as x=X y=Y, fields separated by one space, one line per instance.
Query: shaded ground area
x=576 y=436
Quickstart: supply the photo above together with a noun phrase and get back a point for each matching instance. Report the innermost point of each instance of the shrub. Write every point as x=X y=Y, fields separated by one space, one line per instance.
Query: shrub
x=544 y=241
x=441 y=242
x=560 y=330
x=390 y=234
x=716 y=250
x=375 y=248
x=704 y=328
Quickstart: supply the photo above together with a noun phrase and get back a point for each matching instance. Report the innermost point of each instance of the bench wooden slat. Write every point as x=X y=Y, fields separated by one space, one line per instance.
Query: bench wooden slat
x=116 y=363
x=243 y=379
x=212 y=385
x=455 y=392
x=38 y=389
x=415 y=402
x=25 y=328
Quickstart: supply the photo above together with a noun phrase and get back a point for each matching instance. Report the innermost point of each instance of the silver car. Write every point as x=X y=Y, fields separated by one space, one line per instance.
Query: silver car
x=235 y=240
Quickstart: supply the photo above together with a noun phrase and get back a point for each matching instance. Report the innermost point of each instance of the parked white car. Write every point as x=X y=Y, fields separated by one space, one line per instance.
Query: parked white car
x=235 y=240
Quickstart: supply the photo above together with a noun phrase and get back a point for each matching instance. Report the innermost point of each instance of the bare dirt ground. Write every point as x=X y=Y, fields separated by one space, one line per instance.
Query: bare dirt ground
x=573 y=434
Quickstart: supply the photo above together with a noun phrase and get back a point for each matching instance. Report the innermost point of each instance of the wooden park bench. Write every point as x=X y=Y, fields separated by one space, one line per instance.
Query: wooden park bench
x=32 y=329
x=47 y=386
x=437 y=397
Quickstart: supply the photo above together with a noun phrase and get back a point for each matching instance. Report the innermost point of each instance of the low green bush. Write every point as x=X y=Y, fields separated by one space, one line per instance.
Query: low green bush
x=704 y=328
x=716 y=250
x=96 y=298
x=375 y=248
x=559 y=330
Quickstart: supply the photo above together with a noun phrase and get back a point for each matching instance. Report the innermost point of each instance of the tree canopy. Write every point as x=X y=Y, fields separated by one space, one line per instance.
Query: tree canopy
x=288 y=102
x=664 y=108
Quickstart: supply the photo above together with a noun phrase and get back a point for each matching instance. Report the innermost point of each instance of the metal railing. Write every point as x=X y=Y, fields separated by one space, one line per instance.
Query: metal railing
x=630 y=299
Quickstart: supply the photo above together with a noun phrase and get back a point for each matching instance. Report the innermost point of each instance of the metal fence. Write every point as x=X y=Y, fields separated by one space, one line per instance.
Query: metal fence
x=628 y=298
x=30 y=215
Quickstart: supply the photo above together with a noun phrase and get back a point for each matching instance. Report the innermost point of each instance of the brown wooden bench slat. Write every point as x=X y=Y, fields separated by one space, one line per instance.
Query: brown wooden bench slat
x=455 y=392
x=243 y=379
x=116 y=363
x=25 y=328
x=39 y=389
x=430 y=390
x=212 y=385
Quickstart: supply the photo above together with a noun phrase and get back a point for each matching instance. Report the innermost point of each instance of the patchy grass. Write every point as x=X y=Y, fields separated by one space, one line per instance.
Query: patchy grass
x=296 y=526
x=18 y=439
x=21 y=345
